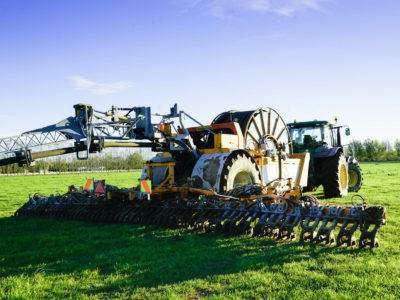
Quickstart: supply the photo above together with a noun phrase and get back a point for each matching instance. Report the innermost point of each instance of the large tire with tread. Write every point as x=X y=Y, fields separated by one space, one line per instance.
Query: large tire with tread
x=355 y=177
x=239 y=170
x=335 y=179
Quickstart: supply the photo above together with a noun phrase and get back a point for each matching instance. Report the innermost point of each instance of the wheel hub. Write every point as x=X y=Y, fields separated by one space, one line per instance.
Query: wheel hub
x=343 y=176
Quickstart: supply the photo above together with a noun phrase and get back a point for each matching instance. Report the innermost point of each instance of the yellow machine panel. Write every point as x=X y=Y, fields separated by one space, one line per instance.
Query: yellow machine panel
x=229 y=141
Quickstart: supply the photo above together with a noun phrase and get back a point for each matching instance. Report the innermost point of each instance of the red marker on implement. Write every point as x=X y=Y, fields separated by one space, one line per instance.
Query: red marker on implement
x=88 y=184
x=145 y=186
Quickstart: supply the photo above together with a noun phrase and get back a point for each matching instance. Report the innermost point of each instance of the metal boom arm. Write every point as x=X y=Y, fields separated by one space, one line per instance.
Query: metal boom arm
x=88 y=131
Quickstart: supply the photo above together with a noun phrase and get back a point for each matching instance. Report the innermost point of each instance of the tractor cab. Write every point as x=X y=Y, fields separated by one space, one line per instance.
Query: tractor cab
x=310 y=136
x=315 y=136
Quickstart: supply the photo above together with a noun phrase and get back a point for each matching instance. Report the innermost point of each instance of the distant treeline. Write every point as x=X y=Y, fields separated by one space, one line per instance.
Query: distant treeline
x=373 y=150
x=133 y=161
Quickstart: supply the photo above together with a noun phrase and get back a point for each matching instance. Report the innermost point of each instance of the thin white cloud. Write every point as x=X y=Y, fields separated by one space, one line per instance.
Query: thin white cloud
x=223 y=8
x=82 y=83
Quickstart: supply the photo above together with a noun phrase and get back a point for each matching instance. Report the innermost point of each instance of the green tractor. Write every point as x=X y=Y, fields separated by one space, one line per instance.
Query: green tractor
x=329 y=166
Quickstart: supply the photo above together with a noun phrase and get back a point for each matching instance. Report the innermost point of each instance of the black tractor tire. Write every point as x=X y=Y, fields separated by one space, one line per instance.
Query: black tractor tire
x=239 y=170
x=335 y=178
x=355 y=177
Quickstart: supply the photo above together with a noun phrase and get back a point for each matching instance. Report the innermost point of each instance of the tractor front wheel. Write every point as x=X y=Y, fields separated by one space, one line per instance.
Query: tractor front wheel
x=335 y=181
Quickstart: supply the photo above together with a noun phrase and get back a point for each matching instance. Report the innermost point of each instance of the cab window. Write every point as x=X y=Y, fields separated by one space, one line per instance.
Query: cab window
x=307 y=137
x=328 y=137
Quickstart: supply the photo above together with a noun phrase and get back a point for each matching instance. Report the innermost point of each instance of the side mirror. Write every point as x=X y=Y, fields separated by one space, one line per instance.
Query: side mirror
x=347 y=131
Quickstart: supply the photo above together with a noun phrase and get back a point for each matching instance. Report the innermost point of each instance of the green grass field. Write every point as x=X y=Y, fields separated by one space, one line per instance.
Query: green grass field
x=46 y=258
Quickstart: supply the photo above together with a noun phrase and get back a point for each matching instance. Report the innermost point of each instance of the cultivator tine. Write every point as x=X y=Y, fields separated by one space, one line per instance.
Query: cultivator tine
x=261 y=214
x=148 y=214
x=213 y=215
x=231 y=218
x=258 y=228
x=198 y=217
x=124 y=216
x=164 y=217
x=293 y=218
x=373 y=218
x=217 y=216
x=158 y=218
x=312 y=219
x=324 y=233
x=349 y=226
x=172 y=217
x=181 y=218
x=133 y=217
x=278 y=212
x=243 y=222
x=176 y=216
x=243 y=228
x=137 y=216
x=187 y=216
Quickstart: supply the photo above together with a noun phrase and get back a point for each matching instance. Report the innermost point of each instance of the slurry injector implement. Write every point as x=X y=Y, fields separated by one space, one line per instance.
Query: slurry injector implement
x=238 y=175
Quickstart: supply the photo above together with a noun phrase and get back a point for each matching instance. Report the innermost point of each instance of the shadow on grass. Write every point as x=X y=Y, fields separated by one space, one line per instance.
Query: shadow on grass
x=134 y=255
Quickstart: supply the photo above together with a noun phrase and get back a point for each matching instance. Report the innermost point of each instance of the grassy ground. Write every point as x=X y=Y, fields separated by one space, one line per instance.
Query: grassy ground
x=44 y=258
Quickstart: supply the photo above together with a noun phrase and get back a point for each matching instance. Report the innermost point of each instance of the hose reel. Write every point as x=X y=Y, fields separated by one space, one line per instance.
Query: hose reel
x=263 y=129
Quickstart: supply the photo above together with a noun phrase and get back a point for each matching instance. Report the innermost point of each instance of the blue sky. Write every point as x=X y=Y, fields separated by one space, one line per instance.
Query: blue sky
x=308 y=59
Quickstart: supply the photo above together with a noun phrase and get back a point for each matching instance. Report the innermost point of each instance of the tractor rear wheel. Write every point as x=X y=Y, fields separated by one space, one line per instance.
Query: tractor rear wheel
x=239 y=170
x=335 y=179
x=355 y=177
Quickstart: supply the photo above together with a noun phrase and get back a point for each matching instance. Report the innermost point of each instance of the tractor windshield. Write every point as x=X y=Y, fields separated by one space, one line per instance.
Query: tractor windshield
x=307 y=137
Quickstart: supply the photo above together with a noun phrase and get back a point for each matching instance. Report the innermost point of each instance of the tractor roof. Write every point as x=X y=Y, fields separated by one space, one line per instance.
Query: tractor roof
x=308 y=124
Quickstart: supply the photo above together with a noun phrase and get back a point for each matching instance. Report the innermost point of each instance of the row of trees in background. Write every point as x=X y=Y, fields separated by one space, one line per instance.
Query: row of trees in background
x=94 y=163
x=373 y=150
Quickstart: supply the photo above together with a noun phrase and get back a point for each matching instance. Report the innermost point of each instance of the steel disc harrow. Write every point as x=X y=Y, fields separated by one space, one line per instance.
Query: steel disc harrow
x=271 y=216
